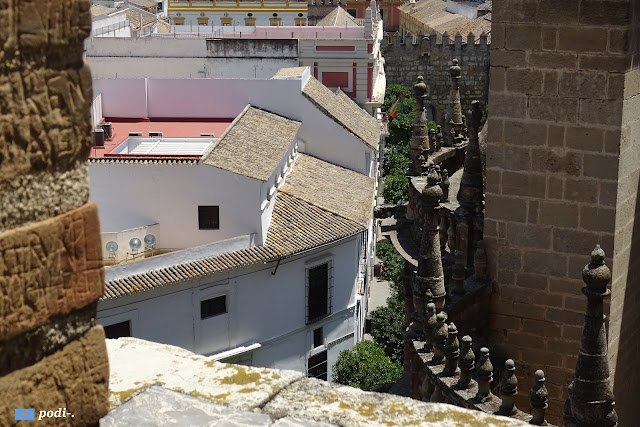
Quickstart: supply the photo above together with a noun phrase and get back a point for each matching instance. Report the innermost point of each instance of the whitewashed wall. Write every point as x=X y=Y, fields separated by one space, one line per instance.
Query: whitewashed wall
x=131 y=195
x=262 y=308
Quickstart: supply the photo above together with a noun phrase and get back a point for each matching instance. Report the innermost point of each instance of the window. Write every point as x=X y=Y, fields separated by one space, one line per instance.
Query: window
x=300 y=22
x=317 y=366
x=318 y=297
x=203 y=21
x=318 y=338
x=117 y=330
x=178 y=21
x=275 y=22
x=226 y=22
x=352 y=12
x=250 y=22
x=209 y=217
x=213 y=307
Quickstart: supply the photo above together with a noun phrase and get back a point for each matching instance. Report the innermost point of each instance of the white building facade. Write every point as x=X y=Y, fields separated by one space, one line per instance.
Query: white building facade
x=265 y=242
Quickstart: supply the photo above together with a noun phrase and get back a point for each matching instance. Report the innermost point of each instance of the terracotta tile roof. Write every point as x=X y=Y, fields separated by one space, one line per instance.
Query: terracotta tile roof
x=332 y=188
x=97 y=9
x=144 y=3
x=136 y=16
x=253 y=144
x=344 y=112
x=433 y=14
x=296 y=226
x=338 y=17
x=290 y=72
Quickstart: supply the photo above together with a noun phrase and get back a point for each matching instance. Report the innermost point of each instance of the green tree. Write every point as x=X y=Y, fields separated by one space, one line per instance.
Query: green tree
x=396 y=189
x=393 y=264
x=401 y=126
x=395 y=159
x=365 y=366
x=387 y=327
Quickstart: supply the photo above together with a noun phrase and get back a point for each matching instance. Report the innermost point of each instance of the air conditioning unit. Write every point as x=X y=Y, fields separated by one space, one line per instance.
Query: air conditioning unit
x=135 y=133
x=108 y=130
x=98 y=138
x=155 y=133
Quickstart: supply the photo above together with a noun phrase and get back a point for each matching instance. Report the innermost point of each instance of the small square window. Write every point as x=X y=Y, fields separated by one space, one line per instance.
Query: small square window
x=213 y=307
x=318 y=292
x=117 y=330
x=317 y=366
x=209 y=217
x=318 y=338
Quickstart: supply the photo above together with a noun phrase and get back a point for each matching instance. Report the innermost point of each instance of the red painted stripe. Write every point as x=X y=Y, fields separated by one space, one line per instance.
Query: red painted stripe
x=315 y=70
x=336 y=48
x=370 y=48
x=369 y=80
x=354 y=93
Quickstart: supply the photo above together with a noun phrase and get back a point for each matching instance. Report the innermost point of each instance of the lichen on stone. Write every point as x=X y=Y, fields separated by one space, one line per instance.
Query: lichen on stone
x=241 y=377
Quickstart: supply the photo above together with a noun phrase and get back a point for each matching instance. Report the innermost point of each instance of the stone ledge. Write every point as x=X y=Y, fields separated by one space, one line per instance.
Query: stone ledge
x=232 y=394
x=49 y=268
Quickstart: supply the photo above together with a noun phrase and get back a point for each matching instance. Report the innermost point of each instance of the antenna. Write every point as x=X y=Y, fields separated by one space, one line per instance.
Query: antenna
x=112 y=248
x=149 y=242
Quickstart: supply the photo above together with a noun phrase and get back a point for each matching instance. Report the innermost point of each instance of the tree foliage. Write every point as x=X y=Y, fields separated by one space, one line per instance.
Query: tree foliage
x=365 y=366
x=387 y=327
x=401 y=126
x=396 y=159
x=393 y=264
x=396 y=189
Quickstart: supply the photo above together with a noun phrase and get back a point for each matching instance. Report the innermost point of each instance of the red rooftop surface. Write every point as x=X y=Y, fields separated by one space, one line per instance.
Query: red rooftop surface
x=170 y=128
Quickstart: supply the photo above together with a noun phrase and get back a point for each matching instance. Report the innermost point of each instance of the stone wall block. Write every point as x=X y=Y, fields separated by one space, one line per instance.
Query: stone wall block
x=604 y=12
x=555 y=12
x=553 y=109
x=582 y=39
x=75 y=378
x=49 y=268
x=523 y=37
x=524 y=81
x=553 y=60
x=583 y=85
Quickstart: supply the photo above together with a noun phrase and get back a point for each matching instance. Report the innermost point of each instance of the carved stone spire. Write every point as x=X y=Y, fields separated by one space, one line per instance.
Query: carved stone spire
x=471 y=190
x=420 y=136
x=455 y=113
x=484 y=371
x=538 y=398
x=439 y=337
x=430 y=273
x=591 y=400
x=429 y=325
x=451 y=351
x=467 y=362
x=445 y=184
x=508 y=388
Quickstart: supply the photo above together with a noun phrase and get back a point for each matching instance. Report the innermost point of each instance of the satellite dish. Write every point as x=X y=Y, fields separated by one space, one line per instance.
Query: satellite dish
x=149 y=240
x=135 y=243
x=112 y=247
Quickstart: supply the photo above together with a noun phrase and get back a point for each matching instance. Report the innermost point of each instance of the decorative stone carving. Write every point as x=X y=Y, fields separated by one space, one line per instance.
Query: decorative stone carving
x=467 y=363
x=420 y=137
x=591 y=401
x=429 y=326
x=538 y=398
x=508 y=388
x=440 y=334
x=484 y=371
x=451 y=351
x=480 y=263
x=455 y=113
x=459 y=273
x=444 y=184
x=471 y=191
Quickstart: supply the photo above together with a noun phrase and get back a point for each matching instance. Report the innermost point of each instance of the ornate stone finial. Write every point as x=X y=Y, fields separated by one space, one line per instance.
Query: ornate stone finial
x=455 y=69
x=440 y=138
x=419 y=144
x=475 y=114
x=591 y=401
x=433 y=143
x=451 y=351
x=432 y=193
x=420 y=88
x=471 y=192
x=440 y=333
x=538 y=399
x=484 y=371
x=429 y=325
x=467 y=363
x=508 y=388
x=445 y=184
x=480 y=262
x=459 y=272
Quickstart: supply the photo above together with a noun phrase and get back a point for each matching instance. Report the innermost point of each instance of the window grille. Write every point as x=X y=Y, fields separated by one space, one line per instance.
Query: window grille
x=317 y=366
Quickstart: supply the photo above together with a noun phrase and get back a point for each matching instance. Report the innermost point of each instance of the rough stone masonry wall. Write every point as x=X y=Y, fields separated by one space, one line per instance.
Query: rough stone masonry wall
x=555 y=112
x=431 y=58
x=624 y=334
x=52 y=355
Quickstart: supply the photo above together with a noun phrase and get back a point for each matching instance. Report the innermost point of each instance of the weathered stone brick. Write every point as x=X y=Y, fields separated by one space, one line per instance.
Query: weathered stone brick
x=564 y=316
x=559 y=214
x=516 y=158
x=549 y=38
x=519 y=11
x=75 y=378
x=556 y=135
x=49 y=268
x=585 y=138
x=505 y=322
x=604 y=12
x=582 y=39
x=555 y=187
x=581 y=190
x=532 y=281
x=597 y=218
x=524 y=340
x=506 y=208
x=605 y=112
x=523 y=37
x=508 y=58
x=509 y=258
x=575 y=303
x=618 y=40
x=556 y=160
x=553 y=109
x=574 y=241
x=507 y=105
x=497 y=35
x=613 y=63
x=608 y=193
x=545 y=263
x=601 y=166
x=523 y=184
x=520 y=132
x=532 y=213
x=524 y=81
x=553 y=60
x=514 y=293
x=550 y=83
x=572 y=332
x=583 y=85
x=547 y=299
x=565 y=285
x=615 y=86
x=554 y=12
x=498 y=79
x=612 y=141
x=529 y=236
x=541 y=327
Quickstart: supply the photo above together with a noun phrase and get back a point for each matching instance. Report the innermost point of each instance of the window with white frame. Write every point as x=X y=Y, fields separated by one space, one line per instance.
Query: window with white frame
x=319 y=288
